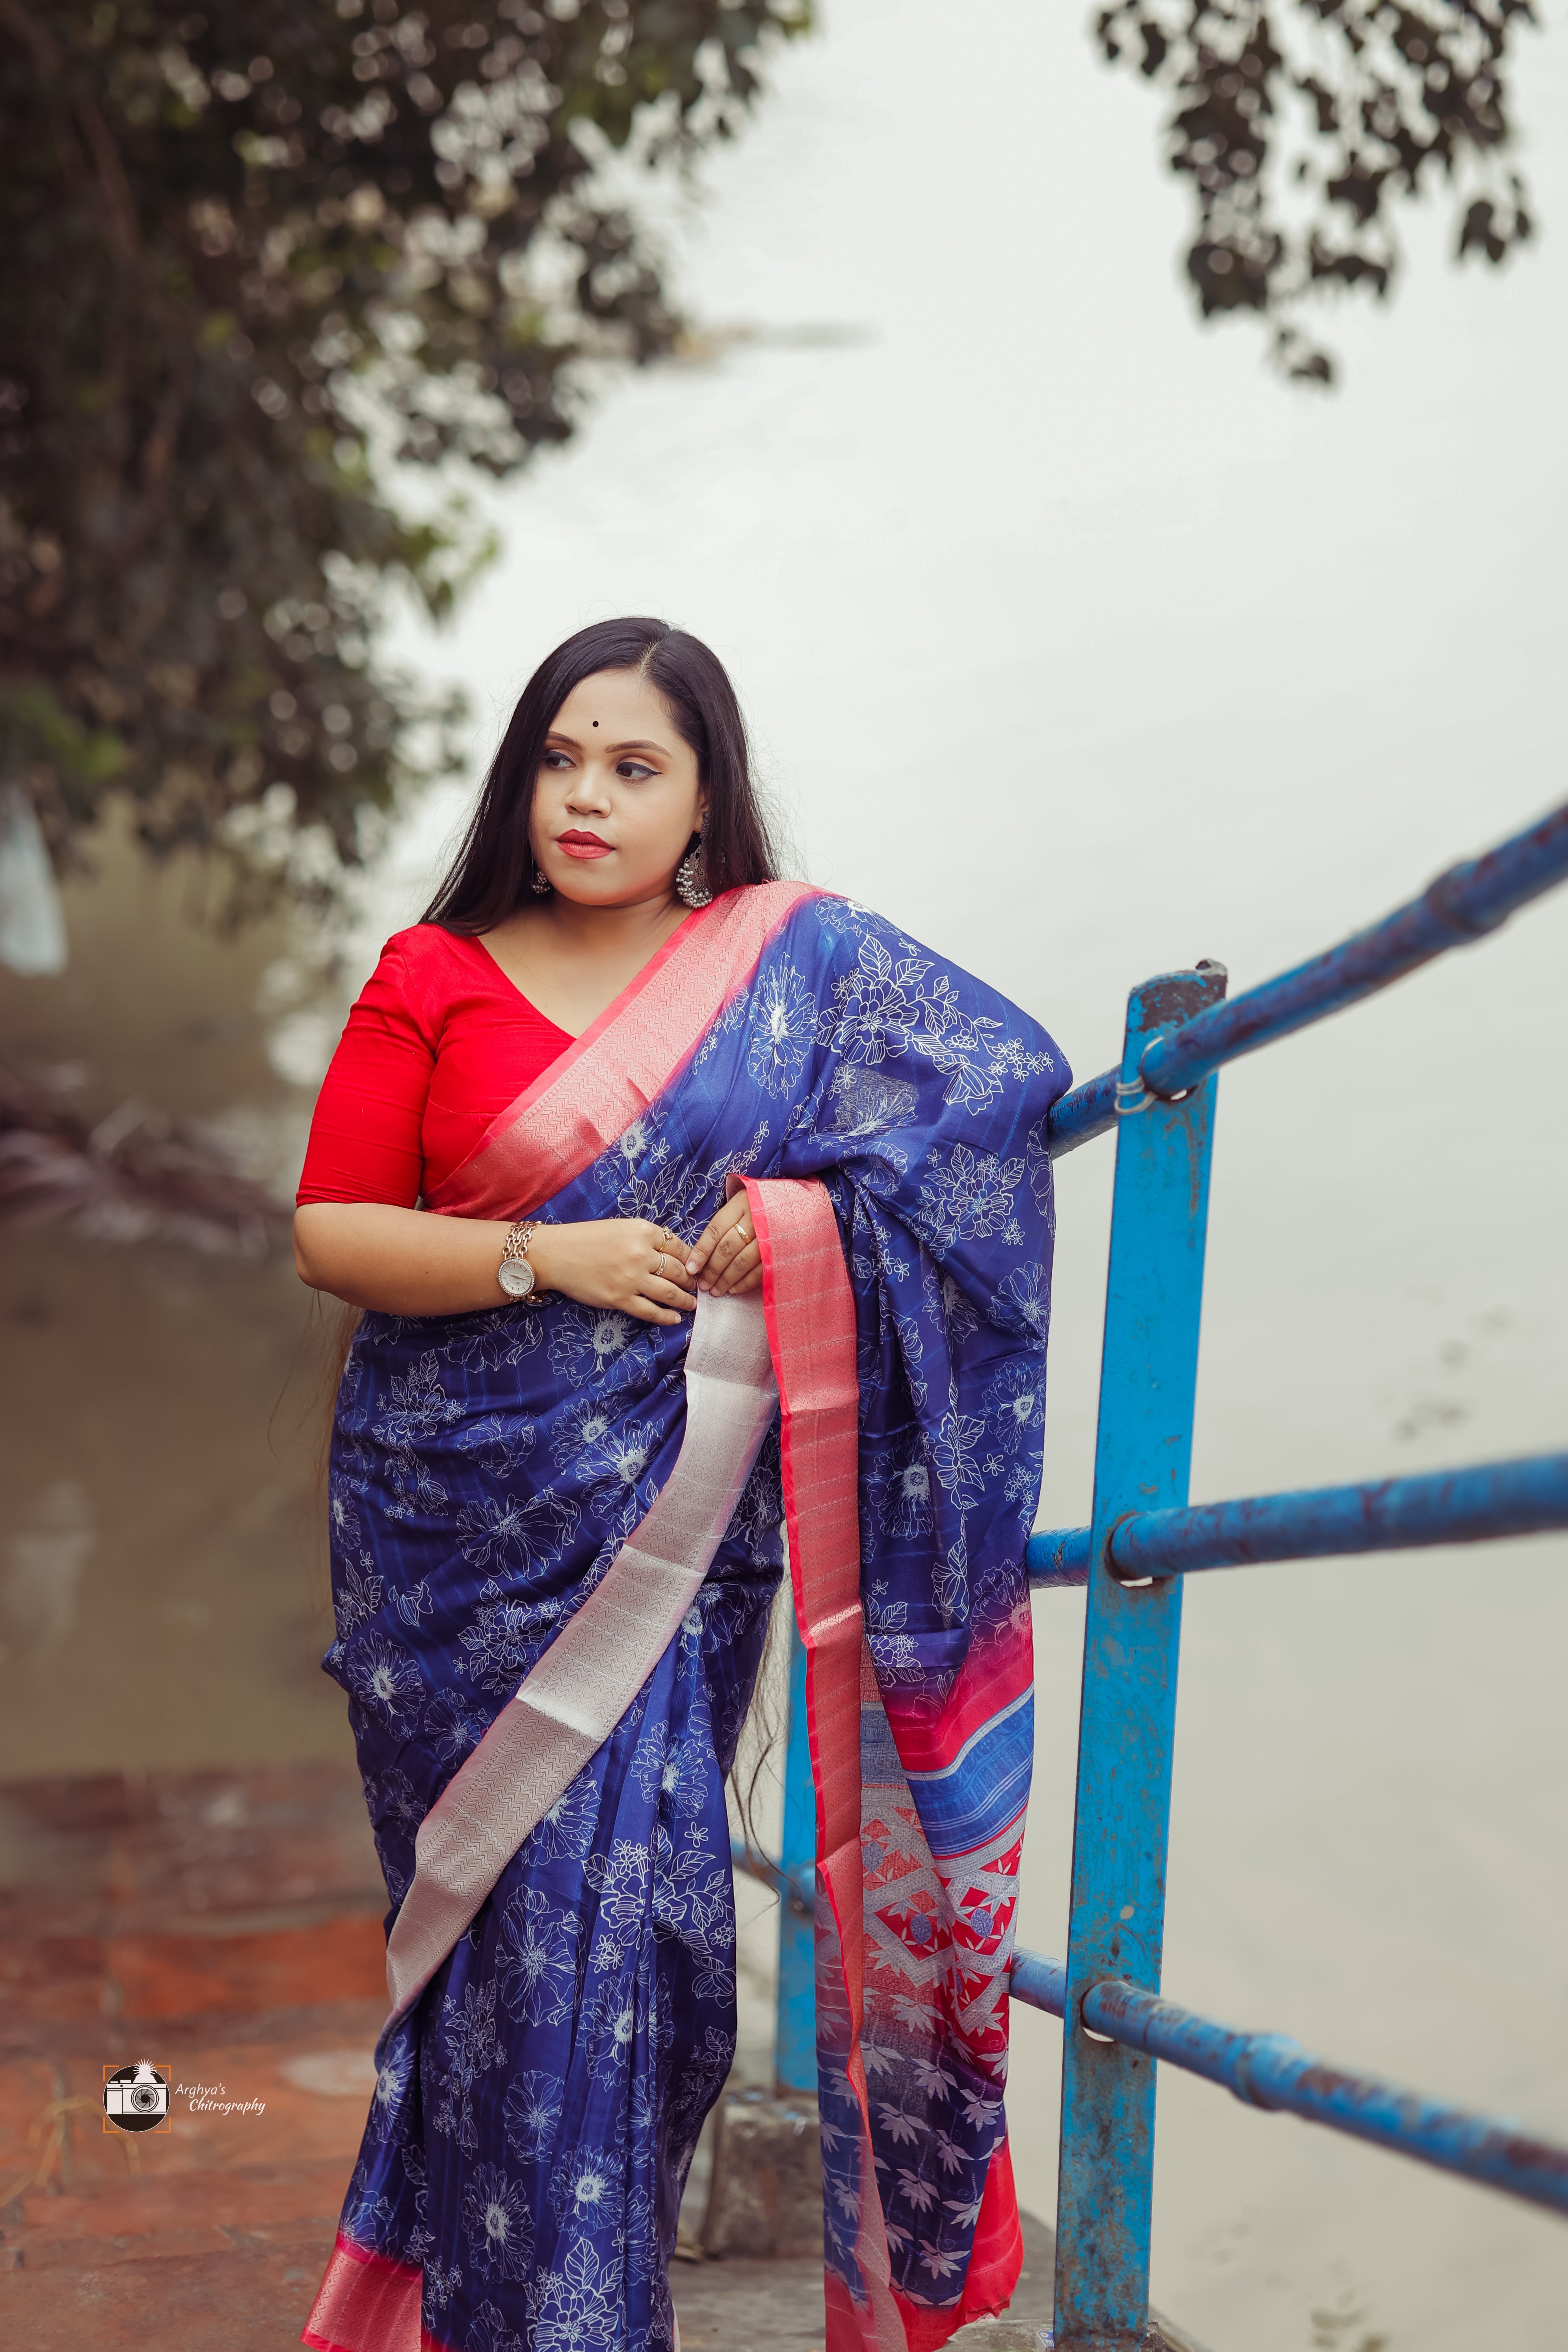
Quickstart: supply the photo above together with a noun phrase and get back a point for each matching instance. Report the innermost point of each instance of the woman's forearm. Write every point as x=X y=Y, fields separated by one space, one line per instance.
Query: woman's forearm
x=411 y=1262
x=399 y=1260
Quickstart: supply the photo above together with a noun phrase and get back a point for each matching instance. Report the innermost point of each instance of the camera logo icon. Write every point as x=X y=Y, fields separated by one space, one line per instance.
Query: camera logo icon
x=136 y=2098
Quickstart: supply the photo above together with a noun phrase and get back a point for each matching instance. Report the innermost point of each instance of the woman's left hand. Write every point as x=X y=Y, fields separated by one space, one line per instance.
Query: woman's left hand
x=727 y=1261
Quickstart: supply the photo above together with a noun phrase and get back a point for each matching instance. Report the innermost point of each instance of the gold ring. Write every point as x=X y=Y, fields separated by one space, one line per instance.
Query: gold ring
x=659 y=1268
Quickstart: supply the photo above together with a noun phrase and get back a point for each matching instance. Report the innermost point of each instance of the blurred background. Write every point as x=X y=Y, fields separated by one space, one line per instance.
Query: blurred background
x=1082 y=637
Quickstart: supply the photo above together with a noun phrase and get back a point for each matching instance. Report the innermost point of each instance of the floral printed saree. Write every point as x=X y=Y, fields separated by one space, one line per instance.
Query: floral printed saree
x=556 y=1537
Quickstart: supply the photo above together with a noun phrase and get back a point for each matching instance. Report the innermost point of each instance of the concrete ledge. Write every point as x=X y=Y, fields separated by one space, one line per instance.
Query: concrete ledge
x=761 y=2288
x=1027 y=2324
x=765 y=2195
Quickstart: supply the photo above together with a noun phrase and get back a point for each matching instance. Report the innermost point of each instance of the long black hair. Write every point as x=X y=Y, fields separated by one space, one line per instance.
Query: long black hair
x=492 y=872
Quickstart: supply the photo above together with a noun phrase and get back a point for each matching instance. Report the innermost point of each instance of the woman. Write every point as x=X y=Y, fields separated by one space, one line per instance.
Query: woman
x=683 y=1203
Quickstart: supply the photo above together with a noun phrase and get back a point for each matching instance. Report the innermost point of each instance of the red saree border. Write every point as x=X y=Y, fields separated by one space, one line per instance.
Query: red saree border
x=811 y=1332
x=622 y=1062
x=367 y=2303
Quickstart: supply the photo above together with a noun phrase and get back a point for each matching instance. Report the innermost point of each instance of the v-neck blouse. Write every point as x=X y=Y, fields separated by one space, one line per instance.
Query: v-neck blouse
x=439 y=1043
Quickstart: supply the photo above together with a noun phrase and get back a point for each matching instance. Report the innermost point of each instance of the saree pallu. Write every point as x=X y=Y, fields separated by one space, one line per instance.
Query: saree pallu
x=556 y=1537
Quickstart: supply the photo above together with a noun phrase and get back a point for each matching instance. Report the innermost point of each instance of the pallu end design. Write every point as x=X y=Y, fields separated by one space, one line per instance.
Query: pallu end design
x=367 y=2303
x=811 y=1329
x=995 y=2264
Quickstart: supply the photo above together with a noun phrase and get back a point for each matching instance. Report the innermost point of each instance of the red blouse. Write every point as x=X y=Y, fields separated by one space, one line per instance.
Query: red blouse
x=439 y=1043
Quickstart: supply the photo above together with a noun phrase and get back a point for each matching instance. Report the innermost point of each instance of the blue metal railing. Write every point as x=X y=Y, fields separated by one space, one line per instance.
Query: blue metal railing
x=1272 y=2071
x=1447 y=1507
x=1462 y=905
x=1141 y=1542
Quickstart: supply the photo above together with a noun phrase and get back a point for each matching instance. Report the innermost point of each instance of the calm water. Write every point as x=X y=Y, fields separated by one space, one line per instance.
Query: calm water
x=1084 y=649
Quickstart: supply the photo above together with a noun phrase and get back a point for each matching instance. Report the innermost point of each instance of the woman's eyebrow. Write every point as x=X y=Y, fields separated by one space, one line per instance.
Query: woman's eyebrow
x=634 y=743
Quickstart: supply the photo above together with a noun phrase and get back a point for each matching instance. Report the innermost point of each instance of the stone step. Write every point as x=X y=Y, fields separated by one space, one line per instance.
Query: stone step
x=245 y=2298
x=138 y=1853
x=226 y=1926
x=50 y=1980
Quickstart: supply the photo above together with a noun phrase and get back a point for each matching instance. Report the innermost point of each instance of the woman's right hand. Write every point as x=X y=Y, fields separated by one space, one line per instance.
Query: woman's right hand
x=408 y=1262
x=624 y=1263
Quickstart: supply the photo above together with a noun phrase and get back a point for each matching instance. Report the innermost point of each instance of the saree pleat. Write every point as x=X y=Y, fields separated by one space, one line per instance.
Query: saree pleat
x=556 y=2045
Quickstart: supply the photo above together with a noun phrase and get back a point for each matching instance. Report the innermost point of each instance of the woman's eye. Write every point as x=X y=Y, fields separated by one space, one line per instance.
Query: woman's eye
x=556 y=759
x=634 y=771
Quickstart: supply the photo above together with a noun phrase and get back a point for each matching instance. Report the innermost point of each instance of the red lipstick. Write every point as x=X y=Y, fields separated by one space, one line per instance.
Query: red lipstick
x=583 y=845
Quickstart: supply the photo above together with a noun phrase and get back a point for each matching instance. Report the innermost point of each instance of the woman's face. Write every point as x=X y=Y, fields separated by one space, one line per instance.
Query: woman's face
x=618 y=796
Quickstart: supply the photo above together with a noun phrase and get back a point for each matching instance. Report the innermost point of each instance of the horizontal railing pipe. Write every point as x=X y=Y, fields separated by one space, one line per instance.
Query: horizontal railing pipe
x=1042 y=1983
x=1079 y=1116
x=1060 y=1557
x=1486 y=1501
x=1272 y=2071
x=1463 y=904
x=1442 y=1507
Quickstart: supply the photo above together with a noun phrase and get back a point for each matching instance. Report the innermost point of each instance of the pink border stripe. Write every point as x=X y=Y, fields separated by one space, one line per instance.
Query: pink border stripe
x=365 y=2303
x=811 y=1329
x=996 y=1674
x=576 y=1108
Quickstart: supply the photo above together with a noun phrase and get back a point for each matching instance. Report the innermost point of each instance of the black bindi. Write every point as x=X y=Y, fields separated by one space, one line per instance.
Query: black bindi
x=595 y=722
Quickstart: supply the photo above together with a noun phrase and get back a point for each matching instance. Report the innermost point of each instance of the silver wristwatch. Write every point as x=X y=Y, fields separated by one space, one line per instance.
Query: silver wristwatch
x=514 y=1273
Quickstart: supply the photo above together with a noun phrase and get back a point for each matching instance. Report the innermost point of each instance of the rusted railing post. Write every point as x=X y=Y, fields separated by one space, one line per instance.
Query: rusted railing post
x=1148 y=1378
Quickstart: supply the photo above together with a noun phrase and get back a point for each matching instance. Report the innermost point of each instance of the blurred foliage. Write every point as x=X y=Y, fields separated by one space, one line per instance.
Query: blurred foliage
x=133 y=1176
x=253 y=257
x=1300 y=123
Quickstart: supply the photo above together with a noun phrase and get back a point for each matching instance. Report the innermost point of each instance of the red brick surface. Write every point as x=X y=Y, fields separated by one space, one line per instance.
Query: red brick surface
x=228 y=1926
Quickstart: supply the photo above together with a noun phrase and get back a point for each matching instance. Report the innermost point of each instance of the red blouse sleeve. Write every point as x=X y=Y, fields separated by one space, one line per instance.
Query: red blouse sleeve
x=365 y=1135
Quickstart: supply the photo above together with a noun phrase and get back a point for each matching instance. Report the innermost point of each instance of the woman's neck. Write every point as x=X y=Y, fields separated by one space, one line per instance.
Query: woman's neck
x=570 y=960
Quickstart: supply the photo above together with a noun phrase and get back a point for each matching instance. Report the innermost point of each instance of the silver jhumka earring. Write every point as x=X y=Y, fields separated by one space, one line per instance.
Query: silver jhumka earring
x=691 y=879
x=539 y=886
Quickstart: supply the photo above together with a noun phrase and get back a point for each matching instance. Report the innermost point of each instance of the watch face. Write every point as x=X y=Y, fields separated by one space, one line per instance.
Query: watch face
x=516 y=1277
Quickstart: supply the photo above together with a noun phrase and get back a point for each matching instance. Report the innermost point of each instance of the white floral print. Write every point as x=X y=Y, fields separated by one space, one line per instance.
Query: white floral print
x=588 y=1342
x=588 y=2188
x=490 y=2333
x=564 y=1832
x=783 y=1026
x=466 y=2047
x=498 y=2225
x=499 y=1441
x=577 y=2310
x=1015 y=1403
x=867 y=1102
x=504 y=1639
x=537 y=1961
x=503 y=1532
x=533 y=2112
x=356 y=1599
x=388 y=2115
x=385 y=1681
x=454 y=1724
x=971 y=1196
